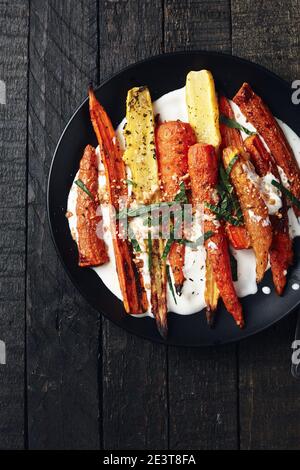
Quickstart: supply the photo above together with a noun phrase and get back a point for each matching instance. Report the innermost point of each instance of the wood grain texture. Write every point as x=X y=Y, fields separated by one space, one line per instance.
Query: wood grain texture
x=268 y=33
x=197 y=24
x=134 y=370
x=202 y=383
x=62 y=331
x=13 y=136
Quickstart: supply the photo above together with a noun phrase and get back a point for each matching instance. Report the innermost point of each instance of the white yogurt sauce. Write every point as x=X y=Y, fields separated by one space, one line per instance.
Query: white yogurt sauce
x=266 y=290
x=172 y=106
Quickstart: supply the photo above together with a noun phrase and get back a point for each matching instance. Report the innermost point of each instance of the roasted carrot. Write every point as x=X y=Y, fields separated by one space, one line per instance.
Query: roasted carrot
x=211 y=294
x=258 y=113
x=131 y=282
x=230 y=136
x=255 y=212
x=173 y=140
x=203 y=170
x=158 y=277
x=281 y=252
x=203 y=112
x=237 y=235
x=91 y=247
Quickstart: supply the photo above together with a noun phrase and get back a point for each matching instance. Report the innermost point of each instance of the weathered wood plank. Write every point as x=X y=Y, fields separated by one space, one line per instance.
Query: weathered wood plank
x=134 y=370
x=267 y=33
x=62 y=331
x=197 y=24
x=13 y=136
x=202 y=383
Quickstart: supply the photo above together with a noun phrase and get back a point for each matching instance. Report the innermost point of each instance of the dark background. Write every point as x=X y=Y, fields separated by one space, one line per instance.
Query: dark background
x=72 y=378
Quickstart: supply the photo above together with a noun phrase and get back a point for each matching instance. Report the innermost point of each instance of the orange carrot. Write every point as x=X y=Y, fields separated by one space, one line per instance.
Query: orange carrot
x=92 y=249
x=131 y=282
x=237 y=235
x=255 y=211
x=258 y=113
x=203 y=170
x=173 y=140
x=230 y=136
x=281 y=251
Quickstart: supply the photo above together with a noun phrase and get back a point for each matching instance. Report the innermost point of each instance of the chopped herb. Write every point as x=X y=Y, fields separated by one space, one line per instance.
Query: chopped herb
x=82 y=186
x=181 y=195
x=223 y=214
x=199 y=240
x=283 y=189
x=233 y=265
x=149 y=250
x=134 y=241
x=142 y=210
x=170 y=283
x=168 y=246
x=128 y=182
x=225 y=184
x=231 y=163
x=229 y=204
x=229 y=122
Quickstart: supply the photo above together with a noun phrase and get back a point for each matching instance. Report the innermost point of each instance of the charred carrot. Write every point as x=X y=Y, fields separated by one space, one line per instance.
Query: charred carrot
x=281 y=252
x=229 y=135
x=203 y=170
x=211 y=294
x=237 y=235
x=255 y=212
x=173 y=140
x=258 y=113
x=131 y=282
x=91 y=247
x=203 y=112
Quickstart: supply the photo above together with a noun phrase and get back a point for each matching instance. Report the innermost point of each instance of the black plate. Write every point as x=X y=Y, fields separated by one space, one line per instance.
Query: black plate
x=163 y=74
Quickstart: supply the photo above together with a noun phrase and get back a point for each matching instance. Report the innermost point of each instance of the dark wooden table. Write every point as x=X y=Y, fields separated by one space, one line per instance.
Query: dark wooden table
x=73 y=380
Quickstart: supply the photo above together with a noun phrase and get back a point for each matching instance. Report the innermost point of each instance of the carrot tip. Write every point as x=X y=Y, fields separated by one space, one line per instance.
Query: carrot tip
x=162 y=329
x=210 y=317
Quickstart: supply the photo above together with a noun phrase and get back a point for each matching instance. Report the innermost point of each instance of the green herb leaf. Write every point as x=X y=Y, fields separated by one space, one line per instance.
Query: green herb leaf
x=288 y=193
x=199 y=240
x=208 y=234
x=222 y=214
x=149 y=250
x=229 y=203
x=142 y=210
x=181 y=195
x=168 y=246
x=229 y=122
x=82 y=186
x=231 y=163
x=170 y=283
x=130 y=182
x=134 y=242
